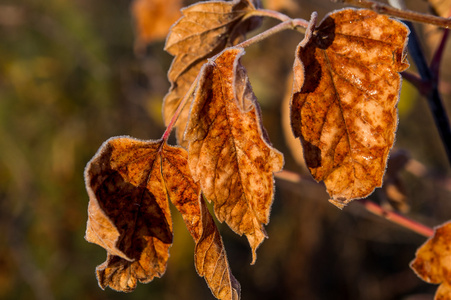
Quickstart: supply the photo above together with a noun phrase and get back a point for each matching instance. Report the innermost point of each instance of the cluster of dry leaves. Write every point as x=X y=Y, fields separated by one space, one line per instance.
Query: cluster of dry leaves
x=345 y=117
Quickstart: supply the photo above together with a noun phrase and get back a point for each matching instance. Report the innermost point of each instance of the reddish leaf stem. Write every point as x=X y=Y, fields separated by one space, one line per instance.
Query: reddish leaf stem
x=369 y=206
x=397 y=218
x=401 y=14
x=182 y=104
x=437 y=59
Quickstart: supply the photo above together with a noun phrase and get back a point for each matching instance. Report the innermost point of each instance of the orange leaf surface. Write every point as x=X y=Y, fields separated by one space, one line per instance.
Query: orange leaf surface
x=128 y=212
x=209 y=254
x=432 y=261
x=205 y=29
x=153 y=18
x=346 y=87
x=129 y=182
x=229 y=153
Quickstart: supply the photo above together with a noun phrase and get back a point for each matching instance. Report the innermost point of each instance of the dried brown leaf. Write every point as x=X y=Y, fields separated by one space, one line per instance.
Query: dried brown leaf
x=153 y=18
x=229 y=153
x=205 y=29
x=128 y=212
x=129 y=182
x=209 y=255
x=432 y=261
x=345 y=91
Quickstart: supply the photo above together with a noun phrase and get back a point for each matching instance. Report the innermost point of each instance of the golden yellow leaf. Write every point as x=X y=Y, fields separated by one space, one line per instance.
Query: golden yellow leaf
x=129 y=182
x=432 y=261
x=205 y=29
x=229 y=153
x=153 y=18
x=346 y=87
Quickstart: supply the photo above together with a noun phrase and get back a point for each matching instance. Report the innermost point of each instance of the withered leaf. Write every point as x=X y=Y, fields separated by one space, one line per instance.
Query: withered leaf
x=153 y=18
x=229 y=153
x=432 y=261
x=204 y=30
x=209 y=254
x=129 y=182
x=128 y=212
x=346 y=87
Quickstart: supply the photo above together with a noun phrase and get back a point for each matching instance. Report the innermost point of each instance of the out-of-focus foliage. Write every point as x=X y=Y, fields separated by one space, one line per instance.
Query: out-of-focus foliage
x=69 y=80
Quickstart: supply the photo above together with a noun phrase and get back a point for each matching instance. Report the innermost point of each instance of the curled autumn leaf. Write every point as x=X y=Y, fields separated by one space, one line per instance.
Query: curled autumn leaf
x=229 y=153
x=204 y=30
x=129 y=182
x=432 y=261
x=209 y=254
x=343 y=108
x=128 y=213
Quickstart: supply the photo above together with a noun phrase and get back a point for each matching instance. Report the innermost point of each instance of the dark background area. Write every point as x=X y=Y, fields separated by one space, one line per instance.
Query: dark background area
x=69 y=80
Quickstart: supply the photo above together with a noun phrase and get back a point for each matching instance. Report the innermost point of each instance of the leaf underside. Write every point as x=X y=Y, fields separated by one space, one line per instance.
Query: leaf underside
x=343 y=108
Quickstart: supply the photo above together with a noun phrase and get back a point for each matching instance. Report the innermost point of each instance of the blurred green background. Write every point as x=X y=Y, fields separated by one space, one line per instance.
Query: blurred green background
x=69 y=80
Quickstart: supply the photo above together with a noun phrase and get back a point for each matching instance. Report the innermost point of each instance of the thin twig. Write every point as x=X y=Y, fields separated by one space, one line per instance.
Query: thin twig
x=437 y=59
x=397 y=218
x=268 y=13
x=285 y=25
x=398 y=13
x=430 y=81
x=369 y=206
x=288 y=23
x=182 y=104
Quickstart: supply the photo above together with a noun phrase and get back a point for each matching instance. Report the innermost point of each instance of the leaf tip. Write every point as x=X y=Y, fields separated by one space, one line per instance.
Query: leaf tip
x=340 y=203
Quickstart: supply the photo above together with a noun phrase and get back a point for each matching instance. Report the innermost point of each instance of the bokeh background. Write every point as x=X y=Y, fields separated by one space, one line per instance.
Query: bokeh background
x=71 y=77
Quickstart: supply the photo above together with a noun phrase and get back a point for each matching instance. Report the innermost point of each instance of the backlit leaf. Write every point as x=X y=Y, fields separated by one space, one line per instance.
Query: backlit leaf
x=432 y=261
x=209 y=254
x=345 y=91
x=205 y=29
x=129 y=182
x=128 y=212
x=229 y=153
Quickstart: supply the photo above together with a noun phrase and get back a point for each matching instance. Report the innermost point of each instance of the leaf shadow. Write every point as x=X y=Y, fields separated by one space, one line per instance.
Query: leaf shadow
x=132 y=209
x=322 y=39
